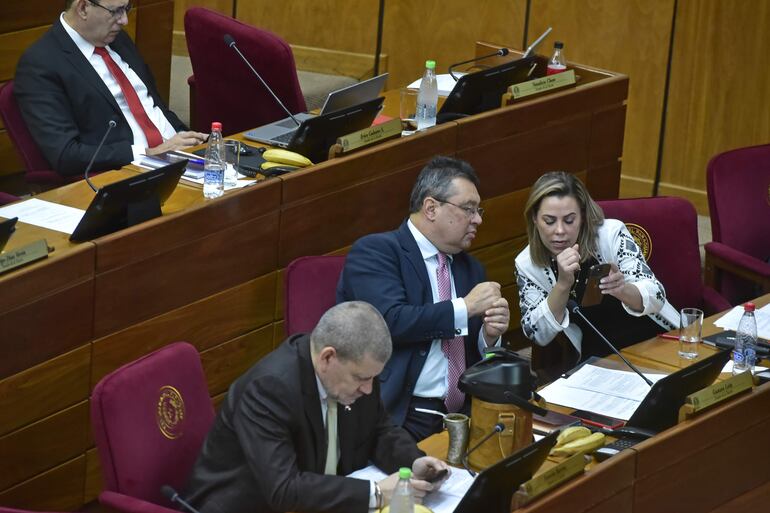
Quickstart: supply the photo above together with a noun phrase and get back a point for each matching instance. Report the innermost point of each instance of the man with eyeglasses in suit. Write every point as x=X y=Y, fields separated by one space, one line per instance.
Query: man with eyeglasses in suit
x=83 y=73
x=439 y=307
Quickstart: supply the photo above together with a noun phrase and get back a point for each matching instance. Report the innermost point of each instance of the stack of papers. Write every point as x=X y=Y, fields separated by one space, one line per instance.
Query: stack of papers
x=730 y=320
x=605 y=391
x=45 y=214
x=444 y=81
x=445 y=500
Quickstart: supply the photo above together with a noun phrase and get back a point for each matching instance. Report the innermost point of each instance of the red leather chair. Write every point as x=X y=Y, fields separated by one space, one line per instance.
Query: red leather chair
x=149 y=419
x=666 y=229
x=223 y=86
x=738 y=258
x=310 y=288
x=38 y=171
x=6 y=198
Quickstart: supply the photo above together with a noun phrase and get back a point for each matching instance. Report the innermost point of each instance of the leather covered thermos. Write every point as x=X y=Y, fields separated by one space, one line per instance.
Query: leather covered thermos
x=516 y=433
x=501 y=386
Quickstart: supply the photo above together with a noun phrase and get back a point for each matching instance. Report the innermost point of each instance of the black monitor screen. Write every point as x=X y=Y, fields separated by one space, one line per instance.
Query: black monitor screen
x=482 y=90
x=128 y=202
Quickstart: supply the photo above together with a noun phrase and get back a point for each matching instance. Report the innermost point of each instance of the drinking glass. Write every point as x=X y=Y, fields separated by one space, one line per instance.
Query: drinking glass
x=690 y=325
x=232 y=162
x=408 y=110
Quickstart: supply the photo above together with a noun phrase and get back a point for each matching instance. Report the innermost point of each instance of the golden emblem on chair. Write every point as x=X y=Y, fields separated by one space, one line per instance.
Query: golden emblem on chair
x=642 y=238
x=170 y=413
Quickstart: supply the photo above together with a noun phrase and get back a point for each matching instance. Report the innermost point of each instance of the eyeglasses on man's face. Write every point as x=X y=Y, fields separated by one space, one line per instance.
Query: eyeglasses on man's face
x=116 y=12
x=470 y=212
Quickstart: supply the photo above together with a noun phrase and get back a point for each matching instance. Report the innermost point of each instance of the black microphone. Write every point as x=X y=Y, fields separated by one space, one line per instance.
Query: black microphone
x=229 y=41
x=497 y=428
x=110 y=125
x=171 y=495
x=574 y=308
x=502 y=52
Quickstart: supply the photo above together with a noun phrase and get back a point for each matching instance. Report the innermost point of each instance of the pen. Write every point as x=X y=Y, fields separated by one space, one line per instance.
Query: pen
x=668 y=337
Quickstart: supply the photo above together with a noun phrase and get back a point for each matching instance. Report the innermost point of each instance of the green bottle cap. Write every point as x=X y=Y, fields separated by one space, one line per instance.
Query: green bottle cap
x=404 y=473
x=430 y=64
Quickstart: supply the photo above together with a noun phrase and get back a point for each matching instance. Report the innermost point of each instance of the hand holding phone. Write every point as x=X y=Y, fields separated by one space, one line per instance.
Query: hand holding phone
x=592 y=294
x=438 y=476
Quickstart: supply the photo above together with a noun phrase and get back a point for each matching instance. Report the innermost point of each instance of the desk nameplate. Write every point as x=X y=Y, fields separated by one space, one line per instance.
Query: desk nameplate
x=366 y=137
x=549 y=479
x=539 y=85
x=716 y=393
x=24 y=255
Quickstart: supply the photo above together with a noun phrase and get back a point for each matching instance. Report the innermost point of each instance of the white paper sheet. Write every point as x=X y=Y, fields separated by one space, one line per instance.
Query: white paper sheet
x=445 y=500
x=730 y=320
x=605 y=391
x=444 y=81
x=45 y=214
x=729 y=367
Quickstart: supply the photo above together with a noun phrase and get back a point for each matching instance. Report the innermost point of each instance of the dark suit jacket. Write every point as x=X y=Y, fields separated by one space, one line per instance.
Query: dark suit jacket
x=388 y=271
x=67 y=106
x=267 y=448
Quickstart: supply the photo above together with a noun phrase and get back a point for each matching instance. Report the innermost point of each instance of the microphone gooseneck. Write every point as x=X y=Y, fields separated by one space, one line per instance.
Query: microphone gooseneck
x=110 y=125
x=497 y=428
x=502 y=52
x=172 y=496
x=536 y=42
x=574 y=308
x=230 y=42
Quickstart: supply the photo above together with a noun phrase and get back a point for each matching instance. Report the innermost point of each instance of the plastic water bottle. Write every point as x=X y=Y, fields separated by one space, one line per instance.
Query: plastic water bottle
x=557 y=64
x=403 y=501
x=214 y=164
x=745 y=352
x=427 y=98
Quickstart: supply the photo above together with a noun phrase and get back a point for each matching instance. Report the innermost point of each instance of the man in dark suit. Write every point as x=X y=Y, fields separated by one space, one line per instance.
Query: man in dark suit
x=277 y=443
x=68 y=92
x=440 y=309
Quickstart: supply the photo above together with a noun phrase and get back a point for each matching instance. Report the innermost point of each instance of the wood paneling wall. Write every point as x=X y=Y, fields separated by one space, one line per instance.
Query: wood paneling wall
x=720 y=86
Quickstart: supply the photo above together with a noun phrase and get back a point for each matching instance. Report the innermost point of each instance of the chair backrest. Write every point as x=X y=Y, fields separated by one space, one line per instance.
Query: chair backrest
x=738 y=186
x=149 y=420
x=38 y=170
x=666 y=229
x=310 y=285
x=226 y=90
x=22 y=140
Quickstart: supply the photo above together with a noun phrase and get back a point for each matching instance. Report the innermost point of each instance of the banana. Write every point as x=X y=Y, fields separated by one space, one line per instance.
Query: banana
x=572 y=433
x=583 y=445
x=267 y=165
x=286 y=157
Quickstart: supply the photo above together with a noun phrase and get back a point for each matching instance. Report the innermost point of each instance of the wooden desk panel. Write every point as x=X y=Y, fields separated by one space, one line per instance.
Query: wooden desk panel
x=332 y=206
x=724 y=447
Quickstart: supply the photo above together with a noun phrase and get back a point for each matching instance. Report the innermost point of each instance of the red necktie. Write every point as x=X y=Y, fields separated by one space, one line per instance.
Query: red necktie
x=151 y=132
x=453 y=348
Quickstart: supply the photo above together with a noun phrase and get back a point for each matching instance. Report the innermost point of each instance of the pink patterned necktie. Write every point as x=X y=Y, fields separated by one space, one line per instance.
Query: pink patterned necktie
x=453 y=348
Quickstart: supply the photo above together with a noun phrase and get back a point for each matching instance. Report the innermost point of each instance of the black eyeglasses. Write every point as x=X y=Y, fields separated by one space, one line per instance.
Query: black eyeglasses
x=469 y=211
x=116 y=12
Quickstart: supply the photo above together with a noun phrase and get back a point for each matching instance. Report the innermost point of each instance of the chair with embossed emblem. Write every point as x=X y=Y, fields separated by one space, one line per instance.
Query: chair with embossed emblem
x=666 y=229
x=149 y=420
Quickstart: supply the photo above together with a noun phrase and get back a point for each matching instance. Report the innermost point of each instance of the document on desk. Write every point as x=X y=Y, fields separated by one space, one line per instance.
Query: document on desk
x=730 y=320
x=45 y=214
x=444 y=82
x=445 y=500
x=609 y=392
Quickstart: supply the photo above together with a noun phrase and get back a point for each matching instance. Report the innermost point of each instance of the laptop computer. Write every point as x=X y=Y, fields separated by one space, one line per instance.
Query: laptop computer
x=481 y=91
x=660 y=408
x=127 y=202
x=493 y=488
x=315 y=135
x=7 y=227
x=279 y=132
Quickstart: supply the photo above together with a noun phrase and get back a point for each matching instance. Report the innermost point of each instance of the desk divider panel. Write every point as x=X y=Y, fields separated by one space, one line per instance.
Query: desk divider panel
x=709 y=460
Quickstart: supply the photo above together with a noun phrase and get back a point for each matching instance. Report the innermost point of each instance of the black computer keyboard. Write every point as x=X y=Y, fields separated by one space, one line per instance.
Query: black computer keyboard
x=285 y=138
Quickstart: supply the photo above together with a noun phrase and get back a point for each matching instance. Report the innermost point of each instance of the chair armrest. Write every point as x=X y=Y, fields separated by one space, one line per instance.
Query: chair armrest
x=720 y=257
x=127 y=504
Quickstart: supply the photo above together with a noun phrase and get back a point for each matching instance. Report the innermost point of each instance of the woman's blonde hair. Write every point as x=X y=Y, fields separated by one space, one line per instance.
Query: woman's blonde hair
x=560 y=184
